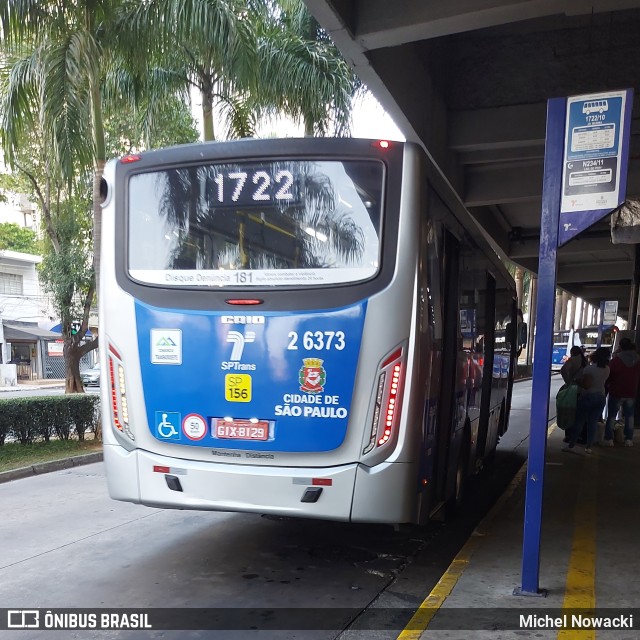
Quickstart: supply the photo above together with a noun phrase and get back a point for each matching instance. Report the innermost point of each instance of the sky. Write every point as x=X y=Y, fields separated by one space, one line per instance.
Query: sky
x=370 y=120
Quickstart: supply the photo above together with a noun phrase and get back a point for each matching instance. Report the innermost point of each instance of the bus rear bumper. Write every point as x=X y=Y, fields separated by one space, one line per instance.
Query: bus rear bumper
x=148 y=478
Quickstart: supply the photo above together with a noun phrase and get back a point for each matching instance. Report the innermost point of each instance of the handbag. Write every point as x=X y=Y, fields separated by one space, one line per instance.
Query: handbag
x=566 y=402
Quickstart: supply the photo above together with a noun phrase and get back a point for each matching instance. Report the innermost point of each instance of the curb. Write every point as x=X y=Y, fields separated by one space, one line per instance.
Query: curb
x=47 y=467
x=28 y=387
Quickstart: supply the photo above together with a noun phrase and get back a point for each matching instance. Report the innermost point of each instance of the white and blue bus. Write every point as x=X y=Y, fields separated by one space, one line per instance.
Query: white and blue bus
x=298 y=327
x=588 y=337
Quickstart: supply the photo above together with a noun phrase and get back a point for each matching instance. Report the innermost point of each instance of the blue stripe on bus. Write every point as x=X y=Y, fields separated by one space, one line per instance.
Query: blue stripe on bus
x=294 y=371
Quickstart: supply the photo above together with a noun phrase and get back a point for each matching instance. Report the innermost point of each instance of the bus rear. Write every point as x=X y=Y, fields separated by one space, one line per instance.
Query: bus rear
x=257 y=332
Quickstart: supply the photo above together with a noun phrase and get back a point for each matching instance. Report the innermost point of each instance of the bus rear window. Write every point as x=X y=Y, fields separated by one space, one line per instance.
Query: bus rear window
x=260 y=223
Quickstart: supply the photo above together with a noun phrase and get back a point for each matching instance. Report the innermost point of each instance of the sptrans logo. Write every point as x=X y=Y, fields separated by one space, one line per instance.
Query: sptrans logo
x=238 y=340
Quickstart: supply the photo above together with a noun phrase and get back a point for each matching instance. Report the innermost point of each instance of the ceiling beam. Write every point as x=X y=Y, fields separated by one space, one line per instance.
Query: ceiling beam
x=387 y=24
x=502 y=183
x=594 y=295
x=595 y=272
x=498 y=128
x=596 y=243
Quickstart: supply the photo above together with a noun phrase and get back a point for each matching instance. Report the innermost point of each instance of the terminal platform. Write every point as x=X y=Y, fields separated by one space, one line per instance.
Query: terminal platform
x=589 y=563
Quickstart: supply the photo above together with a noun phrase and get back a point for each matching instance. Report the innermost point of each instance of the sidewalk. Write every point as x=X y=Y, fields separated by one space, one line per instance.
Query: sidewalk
x=52 y=465
x=34 y=385
x=589 y=562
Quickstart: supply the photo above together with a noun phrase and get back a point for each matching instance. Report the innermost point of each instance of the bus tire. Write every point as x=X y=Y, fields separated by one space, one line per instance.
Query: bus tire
x=462 y=470
x=502 y=418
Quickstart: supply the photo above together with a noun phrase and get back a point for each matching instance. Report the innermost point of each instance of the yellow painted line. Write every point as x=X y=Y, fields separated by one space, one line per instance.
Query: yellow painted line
x=580 y=588
x=442 y=590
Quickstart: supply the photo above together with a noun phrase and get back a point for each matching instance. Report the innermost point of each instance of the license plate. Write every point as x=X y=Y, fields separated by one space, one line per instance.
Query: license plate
x=242 y=429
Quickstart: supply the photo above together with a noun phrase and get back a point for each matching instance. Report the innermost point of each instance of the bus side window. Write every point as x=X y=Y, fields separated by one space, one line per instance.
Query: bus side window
x=434 y=256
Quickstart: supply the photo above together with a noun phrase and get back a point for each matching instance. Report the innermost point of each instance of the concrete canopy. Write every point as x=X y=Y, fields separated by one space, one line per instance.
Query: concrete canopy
x=469 y=79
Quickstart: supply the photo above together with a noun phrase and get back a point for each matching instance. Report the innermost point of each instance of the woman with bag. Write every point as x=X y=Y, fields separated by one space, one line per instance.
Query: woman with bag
x=566 y=400
x=592 y=398
x=572 y=369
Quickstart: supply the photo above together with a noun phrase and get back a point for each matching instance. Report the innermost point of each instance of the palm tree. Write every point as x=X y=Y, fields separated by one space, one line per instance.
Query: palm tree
x=207 y=45
x=247 y=59
x=61 y=63
x=302 y=73
x=54 y=59
x=56 y=56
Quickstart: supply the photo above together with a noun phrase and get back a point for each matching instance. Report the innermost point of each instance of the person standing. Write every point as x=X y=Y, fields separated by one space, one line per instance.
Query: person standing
x=572 y=369
x=623 y=387
x=592 y=398
x=521 y=328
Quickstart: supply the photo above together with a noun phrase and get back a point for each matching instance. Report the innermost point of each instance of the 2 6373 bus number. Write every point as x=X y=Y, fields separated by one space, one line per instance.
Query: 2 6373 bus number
x=318 y=340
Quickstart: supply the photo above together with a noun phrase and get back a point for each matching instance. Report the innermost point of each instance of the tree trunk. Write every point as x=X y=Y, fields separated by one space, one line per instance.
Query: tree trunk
x=97 y=219
x=100 y=160
x=206 y=95
x=308 y=127
x=72 y=355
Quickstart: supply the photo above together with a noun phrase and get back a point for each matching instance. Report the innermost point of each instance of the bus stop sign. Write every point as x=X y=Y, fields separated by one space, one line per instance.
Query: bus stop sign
x=596 y=152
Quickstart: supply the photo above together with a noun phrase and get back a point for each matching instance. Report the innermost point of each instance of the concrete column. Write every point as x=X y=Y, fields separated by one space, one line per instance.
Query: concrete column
x=579 y=315
x=563 y=310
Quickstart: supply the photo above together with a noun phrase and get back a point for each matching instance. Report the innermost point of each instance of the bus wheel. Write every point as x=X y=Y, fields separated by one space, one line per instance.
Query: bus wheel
x=462 y=469
x=502 y=420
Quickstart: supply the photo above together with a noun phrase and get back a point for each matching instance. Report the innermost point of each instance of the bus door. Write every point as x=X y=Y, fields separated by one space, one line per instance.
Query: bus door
x=451 y=393
x=487 y=372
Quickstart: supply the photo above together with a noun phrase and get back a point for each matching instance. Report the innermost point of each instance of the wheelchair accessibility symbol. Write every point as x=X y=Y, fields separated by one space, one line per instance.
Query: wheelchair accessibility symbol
x=167 y=425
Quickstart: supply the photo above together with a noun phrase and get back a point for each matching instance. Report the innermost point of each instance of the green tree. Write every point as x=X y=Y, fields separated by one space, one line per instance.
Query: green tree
x=16 y=238
x=301 y=71
x=209 y=46
x=67 y=268
x=247 y=59
x=58 y=61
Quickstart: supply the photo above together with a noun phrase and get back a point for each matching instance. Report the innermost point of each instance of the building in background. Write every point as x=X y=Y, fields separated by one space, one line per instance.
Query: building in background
x=23 y=341
x=29 y=337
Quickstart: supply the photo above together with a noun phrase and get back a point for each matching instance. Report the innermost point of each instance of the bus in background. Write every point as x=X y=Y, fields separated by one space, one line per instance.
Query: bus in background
x=298 y=328
x=589 y=337
x=562 y=343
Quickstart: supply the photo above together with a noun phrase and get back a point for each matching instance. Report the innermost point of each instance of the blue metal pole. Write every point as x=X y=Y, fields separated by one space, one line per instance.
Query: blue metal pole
x=551 y=191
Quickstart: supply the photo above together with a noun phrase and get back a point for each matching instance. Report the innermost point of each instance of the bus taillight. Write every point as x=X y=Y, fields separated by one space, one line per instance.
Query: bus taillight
x=386 y=414
x=118 y=393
